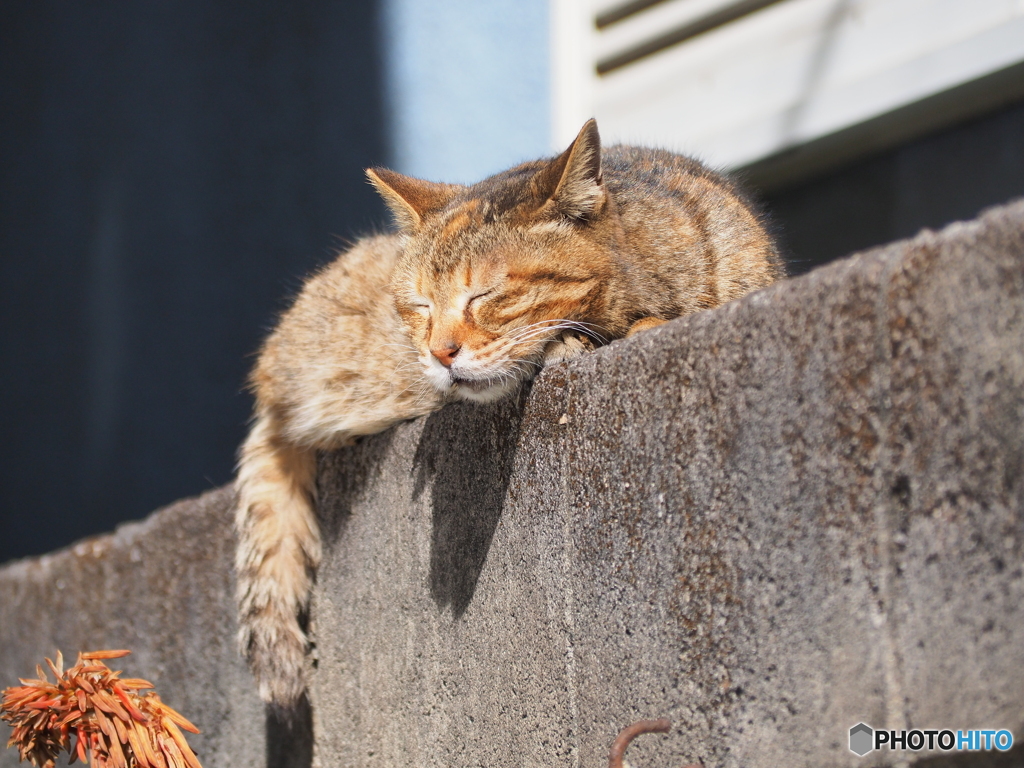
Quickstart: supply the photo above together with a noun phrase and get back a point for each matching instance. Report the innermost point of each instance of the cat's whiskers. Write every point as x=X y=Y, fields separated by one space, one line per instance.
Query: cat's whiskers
x=402 y=367
x=561 y=324
x=488 y=363
x=536 y=324
x=531 y=338
x=589 y=330
x=580 y=323
x=401 y=346
x=540 y=326
x=419 y=395
x=541 y=338
x=548 y=331
x=498 y=362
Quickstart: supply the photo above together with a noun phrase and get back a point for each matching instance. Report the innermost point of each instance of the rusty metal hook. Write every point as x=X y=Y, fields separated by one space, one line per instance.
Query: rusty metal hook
x=630 y=732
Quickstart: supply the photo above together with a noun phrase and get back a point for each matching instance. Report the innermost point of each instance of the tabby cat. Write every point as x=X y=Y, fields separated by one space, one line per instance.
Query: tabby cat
x=481 y=287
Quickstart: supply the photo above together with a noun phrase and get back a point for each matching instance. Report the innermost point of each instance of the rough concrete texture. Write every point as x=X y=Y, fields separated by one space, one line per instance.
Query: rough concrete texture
x=767 y=523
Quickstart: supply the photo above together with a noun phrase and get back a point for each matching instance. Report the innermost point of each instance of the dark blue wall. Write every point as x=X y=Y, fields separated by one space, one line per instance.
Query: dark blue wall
x=948 y=176
x=168 y=172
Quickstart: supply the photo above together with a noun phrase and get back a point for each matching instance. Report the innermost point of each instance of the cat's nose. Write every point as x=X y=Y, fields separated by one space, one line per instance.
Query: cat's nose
x=446 y=354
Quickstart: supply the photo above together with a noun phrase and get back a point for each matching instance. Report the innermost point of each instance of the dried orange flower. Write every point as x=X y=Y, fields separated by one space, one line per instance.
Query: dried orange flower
x=113 y=725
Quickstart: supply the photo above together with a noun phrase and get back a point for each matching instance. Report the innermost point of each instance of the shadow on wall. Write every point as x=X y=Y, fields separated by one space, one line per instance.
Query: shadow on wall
x=290 y=736
x=464 y=457
x=468 y=479
x=464 y=460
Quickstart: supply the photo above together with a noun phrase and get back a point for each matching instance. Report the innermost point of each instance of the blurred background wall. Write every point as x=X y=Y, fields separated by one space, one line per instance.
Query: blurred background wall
x=468 y=85
x=169 y=173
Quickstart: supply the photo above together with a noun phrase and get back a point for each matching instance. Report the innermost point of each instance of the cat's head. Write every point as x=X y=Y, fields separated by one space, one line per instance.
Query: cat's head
x=495 y=274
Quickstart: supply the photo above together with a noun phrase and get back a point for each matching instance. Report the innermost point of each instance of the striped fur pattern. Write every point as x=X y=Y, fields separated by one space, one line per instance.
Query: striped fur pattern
x=480 y=287
x=578 y=250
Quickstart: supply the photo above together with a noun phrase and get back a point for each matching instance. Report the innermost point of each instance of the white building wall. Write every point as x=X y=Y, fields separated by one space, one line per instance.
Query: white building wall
x=786 y=74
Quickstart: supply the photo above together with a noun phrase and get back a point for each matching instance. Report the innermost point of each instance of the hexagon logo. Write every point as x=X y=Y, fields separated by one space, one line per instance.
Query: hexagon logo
x=862 y=737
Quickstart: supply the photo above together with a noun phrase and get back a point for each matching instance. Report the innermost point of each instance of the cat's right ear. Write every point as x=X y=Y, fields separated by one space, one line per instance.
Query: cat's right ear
x=571 y=183
x=410 y=200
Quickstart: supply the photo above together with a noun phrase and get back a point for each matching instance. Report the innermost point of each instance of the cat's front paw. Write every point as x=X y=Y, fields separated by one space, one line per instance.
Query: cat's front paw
x=567 y=347
x=644 y=324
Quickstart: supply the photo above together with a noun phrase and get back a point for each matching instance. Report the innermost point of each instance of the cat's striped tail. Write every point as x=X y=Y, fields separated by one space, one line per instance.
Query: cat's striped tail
x=276 y=559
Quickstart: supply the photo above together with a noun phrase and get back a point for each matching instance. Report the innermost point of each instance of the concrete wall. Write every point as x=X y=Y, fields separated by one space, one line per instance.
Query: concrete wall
x=767 y=523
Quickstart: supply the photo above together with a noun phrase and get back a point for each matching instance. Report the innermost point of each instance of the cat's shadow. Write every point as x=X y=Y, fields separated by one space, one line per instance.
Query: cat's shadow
x=289 y=734
x=464 y=460
x=342 y=477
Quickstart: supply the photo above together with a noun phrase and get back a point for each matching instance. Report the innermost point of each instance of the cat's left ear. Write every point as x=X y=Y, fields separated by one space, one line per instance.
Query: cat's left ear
x=410 y=200
x=572 y=183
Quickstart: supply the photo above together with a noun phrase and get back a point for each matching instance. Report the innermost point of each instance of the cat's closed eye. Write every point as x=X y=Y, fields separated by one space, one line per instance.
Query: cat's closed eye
x=424 y=307
x=473 y=302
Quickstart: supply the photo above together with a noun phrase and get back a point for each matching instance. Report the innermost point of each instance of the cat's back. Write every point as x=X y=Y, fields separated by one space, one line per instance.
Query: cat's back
x=676 y=207
x=642 y=174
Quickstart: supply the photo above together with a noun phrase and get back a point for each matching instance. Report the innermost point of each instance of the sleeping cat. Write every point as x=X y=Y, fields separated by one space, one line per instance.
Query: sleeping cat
x=481 y=287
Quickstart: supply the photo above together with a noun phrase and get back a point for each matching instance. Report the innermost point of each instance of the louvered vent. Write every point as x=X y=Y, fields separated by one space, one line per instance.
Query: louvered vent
x=738 y=81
